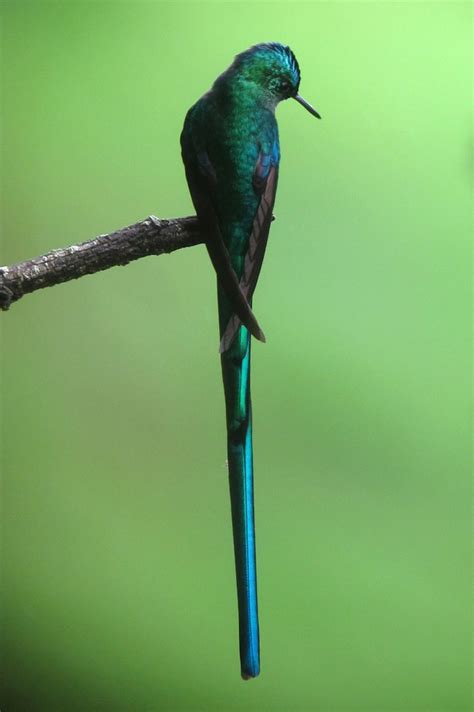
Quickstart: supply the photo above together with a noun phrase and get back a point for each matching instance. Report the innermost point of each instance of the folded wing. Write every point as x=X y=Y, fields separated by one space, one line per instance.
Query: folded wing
x=201 y=184
x=265 y=182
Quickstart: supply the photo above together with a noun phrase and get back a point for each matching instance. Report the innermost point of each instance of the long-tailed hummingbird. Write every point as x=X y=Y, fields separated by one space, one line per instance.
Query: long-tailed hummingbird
x=231 y=154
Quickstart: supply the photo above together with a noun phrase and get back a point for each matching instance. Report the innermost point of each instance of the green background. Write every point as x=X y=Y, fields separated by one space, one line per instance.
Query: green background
x=118 y=578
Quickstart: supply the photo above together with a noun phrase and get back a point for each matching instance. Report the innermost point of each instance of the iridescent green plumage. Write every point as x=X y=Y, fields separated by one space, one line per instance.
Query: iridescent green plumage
x=231 y=154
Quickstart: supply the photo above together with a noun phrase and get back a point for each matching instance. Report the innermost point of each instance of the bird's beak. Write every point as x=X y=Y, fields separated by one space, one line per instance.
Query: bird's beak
x=307 y=106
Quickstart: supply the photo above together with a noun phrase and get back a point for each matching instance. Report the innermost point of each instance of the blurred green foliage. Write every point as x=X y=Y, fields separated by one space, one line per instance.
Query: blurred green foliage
x=118 y=579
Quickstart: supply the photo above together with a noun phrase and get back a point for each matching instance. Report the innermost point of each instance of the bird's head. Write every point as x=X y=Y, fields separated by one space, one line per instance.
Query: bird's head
x=273 y=70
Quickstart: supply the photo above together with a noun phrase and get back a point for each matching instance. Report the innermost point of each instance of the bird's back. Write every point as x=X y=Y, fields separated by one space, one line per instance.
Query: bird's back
x=223 y=138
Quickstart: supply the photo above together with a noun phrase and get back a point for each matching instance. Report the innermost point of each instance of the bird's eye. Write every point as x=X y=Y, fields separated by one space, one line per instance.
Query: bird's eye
x=285 y=85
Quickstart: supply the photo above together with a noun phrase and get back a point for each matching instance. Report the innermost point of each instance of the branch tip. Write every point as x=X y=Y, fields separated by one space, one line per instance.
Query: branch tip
x=152 y=236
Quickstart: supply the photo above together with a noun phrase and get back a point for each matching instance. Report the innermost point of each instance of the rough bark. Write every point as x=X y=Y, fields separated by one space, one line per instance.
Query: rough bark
x=151 y=236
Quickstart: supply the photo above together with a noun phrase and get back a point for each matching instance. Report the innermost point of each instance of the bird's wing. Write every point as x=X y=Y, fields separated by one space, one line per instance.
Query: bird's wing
x=265 y=180
x=202 y=181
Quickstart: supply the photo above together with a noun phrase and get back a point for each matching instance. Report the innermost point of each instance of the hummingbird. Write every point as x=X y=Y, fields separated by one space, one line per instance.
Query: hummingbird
x=231 y=153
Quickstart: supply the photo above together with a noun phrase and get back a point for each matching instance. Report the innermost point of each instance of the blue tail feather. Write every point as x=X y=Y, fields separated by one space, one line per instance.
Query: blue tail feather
x=236 y=374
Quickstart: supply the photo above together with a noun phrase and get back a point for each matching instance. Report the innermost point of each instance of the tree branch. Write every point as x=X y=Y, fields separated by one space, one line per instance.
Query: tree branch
x=148 y=237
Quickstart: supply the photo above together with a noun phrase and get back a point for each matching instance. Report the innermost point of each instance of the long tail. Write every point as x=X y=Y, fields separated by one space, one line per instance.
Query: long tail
x=236 y=376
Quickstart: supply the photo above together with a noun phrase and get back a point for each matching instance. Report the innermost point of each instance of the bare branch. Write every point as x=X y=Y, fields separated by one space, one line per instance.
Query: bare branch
x=148 y=237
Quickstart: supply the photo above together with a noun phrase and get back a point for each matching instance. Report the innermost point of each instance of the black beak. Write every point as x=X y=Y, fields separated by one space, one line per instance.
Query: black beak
x=307 y=106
